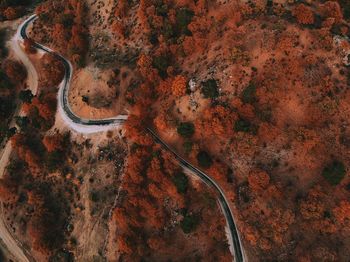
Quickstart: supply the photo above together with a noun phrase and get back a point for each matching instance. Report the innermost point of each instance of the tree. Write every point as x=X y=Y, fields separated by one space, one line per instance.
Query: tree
x=333 y=10
x=313 y=206
x=5 y=82
x=66 y=19
x=242 y=125
x=144 y=64
x=11 y=13
x=183 y=19
x=11 y=132
x=15 y=71
x=181 y=182
x=22 y=121
x=6 y=107
x=179 y=86
x=189 y=223
x=29 y=46
x=204 y=159
x=342 y=213
x=3 y=49
x=210 y=89
x=304 y=14
x=188 y=146
x=186 y=129
x=334 y=172
x=52 y=70
x=26 y=96
x=53 y=143
x=258 y=180
x=249 y=94
x=46 y=106
x=161 y=63
x=345 y=4
x=156 y=243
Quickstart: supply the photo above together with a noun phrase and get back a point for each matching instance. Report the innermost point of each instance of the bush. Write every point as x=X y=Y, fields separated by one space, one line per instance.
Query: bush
x=249 y=94
x=189 y=223
x=334 y=173
x=204 y=159
x=181 y=182
x=210 y=89
x=186 y=129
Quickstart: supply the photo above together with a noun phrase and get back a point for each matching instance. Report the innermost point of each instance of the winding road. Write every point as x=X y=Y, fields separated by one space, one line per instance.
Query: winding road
x=82 y=125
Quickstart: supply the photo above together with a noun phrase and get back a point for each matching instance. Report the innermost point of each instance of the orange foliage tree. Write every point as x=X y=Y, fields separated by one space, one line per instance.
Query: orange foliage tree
x=53 y=143
x=52 y=71
x=303 y=14
x=179 y=86
x=15 y=71
x=258 y=180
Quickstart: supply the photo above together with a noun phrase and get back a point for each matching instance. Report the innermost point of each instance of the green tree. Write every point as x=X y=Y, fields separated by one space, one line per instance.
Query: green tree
x=189 y=223
x=66 y=19
x=3 y=49
x=162 y=9
x=210 y=89
x=186 y=129
x=5 y=81
x=249 y=94
x=55 y=160
x=180 y=180
x=188 y=146
x=183 y=19
x=161 y=63
x=334 y=172
x=26 y=96
x=6 y=106
x=11 y=132
x=204 y=159
x=22 y=121
x=345 y=4
x=242 y=125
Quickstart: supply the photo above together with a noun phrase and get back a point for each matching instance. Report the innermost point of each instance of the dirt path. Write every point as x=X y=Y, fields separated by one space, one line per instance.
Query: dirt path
x=32 y=83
